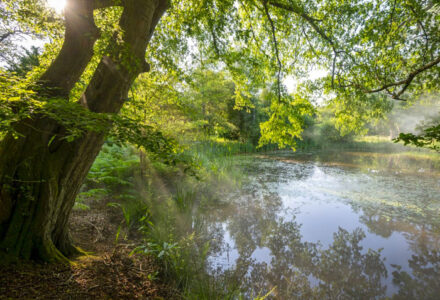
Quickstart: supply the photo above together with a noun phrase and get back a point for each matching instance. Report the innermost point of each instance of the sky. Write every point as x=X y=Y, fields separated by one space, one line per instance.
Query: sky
x=290 y=82
x=58 y=5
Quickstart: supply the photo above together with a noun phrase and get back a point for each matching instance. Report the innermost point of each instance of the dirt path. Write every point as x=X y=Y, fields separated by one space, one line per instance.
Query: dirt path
x=108 y=272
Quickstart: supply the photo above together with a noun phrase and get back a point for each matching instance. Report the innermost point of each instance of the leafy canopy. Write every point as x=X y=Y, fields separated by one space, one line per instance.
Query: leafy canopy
x=374 y=51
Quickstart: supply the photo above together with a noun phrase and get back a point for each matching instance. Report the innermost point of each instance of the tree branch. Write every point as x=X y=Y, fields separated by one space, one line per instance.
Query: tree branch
x=407 y=81
x=298 y=11
x=110 y=84
x=277 y=52
x=254 y=36
x=76 y=52
x=312 y=22
x=5 y=35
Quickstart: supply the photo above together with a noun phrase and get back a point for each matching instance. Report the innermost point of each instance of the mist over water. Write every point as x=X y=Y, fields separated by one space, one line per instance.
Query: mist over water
x=412 y=118
x=340 y=225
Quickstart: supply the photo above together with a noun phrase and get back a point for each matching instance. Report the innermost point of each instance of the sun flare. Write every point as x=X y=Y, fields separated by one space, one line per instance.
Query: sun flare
x=58 y=5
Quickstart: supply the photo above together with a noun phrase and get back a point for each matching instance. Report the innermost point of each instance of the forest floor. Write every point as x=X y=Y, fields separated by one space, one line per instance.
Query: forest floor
x=107 y=272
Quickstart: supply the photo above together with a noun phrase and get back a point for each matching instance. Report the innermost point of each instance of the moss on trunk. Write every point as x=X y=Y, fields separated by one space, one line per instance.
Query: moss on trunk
x=41 y=172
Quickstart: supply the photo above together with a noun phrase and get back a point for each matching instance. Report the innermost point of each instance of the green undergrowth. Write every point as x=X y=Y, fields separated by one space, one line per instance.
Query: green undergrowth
x=164 y=203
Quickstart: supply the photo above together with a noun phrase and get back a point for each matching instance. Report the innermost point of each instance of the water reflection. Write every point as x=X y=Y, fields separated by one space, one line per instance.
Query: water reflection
x=320 y=227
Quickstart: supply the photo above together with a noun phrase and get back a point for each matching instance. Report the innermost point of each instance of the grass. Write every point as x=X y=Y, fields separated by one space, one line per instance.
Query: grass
x=175 y=234
x=160 y=201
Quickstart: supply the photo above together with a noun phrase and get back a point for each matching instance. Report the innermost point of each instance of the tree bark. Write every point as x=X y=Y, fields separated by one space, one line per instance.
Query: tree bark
x=41 y=173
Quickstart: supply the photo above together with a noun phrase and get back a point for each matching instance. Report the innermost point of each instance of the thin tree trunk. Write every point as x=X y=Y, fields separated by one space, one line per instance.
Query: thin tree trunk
x=40 y=178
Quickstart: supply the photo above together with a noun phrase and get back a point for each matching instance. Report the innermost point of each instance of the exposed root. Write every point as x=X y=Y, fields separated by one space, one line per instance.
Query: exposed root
x=108 y=274
x=49 y=253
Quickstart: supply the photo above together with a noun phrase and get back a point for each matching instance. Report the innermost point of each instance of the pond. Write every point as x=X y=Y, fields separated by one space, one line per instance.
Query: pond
x=335 y=225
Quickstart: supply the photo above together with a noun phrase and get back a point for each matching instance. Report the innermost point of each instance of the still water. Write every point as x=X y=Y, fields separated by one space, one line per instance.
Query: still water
x=340 y=225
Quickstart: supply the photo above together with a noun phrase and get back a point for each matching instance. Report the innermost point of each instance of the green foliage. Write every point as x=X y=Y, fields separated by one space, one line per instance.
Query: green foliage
x=430 y=138
x=181 y=251
x=20 y=101
x=286 y=122
x=362 y=44
x=328 y=132
x=113 y=174
x=370 y=49
x=26 y=62
x=353 y=112
x=207 y=102
x=13 y=92
x=159 y=199
x=368 y=56
x=166 y=252
x=321 y=132
x=202 y=108
x=79 y=205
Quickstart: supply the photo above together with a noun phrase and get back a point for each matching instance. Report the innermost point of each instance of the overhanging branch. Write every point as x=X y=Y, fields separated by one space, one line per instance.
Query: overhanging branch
x=312 y=22
x=298 y=11
x=275 y=44
x=405 y=82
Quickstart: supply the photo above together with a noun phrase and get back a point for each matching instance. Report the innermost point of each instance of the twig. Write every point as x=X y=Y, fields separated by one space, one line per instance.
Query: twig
x=97 y=230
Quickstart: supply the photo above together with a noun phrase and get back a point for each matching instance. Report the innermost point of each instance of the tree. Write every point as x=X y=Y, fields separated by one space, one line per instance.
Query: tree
x=42 y=166
x=41 y=172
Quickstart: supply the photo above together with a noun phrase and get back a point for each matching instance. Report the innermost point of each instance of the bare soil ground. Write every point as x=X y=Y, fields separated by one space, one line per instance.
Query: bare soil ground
x=108 y=272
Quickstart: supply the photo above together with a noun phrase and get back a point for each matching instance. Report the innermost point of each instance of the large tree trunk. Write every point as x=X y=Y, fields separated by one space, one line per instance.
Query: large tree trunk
x=40 y=172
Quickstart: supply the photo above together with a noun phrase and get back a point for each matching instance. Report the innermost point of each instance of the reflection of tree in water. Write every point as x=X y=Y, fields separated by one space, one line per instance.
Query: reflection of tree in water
x=348 y=273
x=272 y=254
x=421 y=231
x=425 y=280
x=342 y=271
